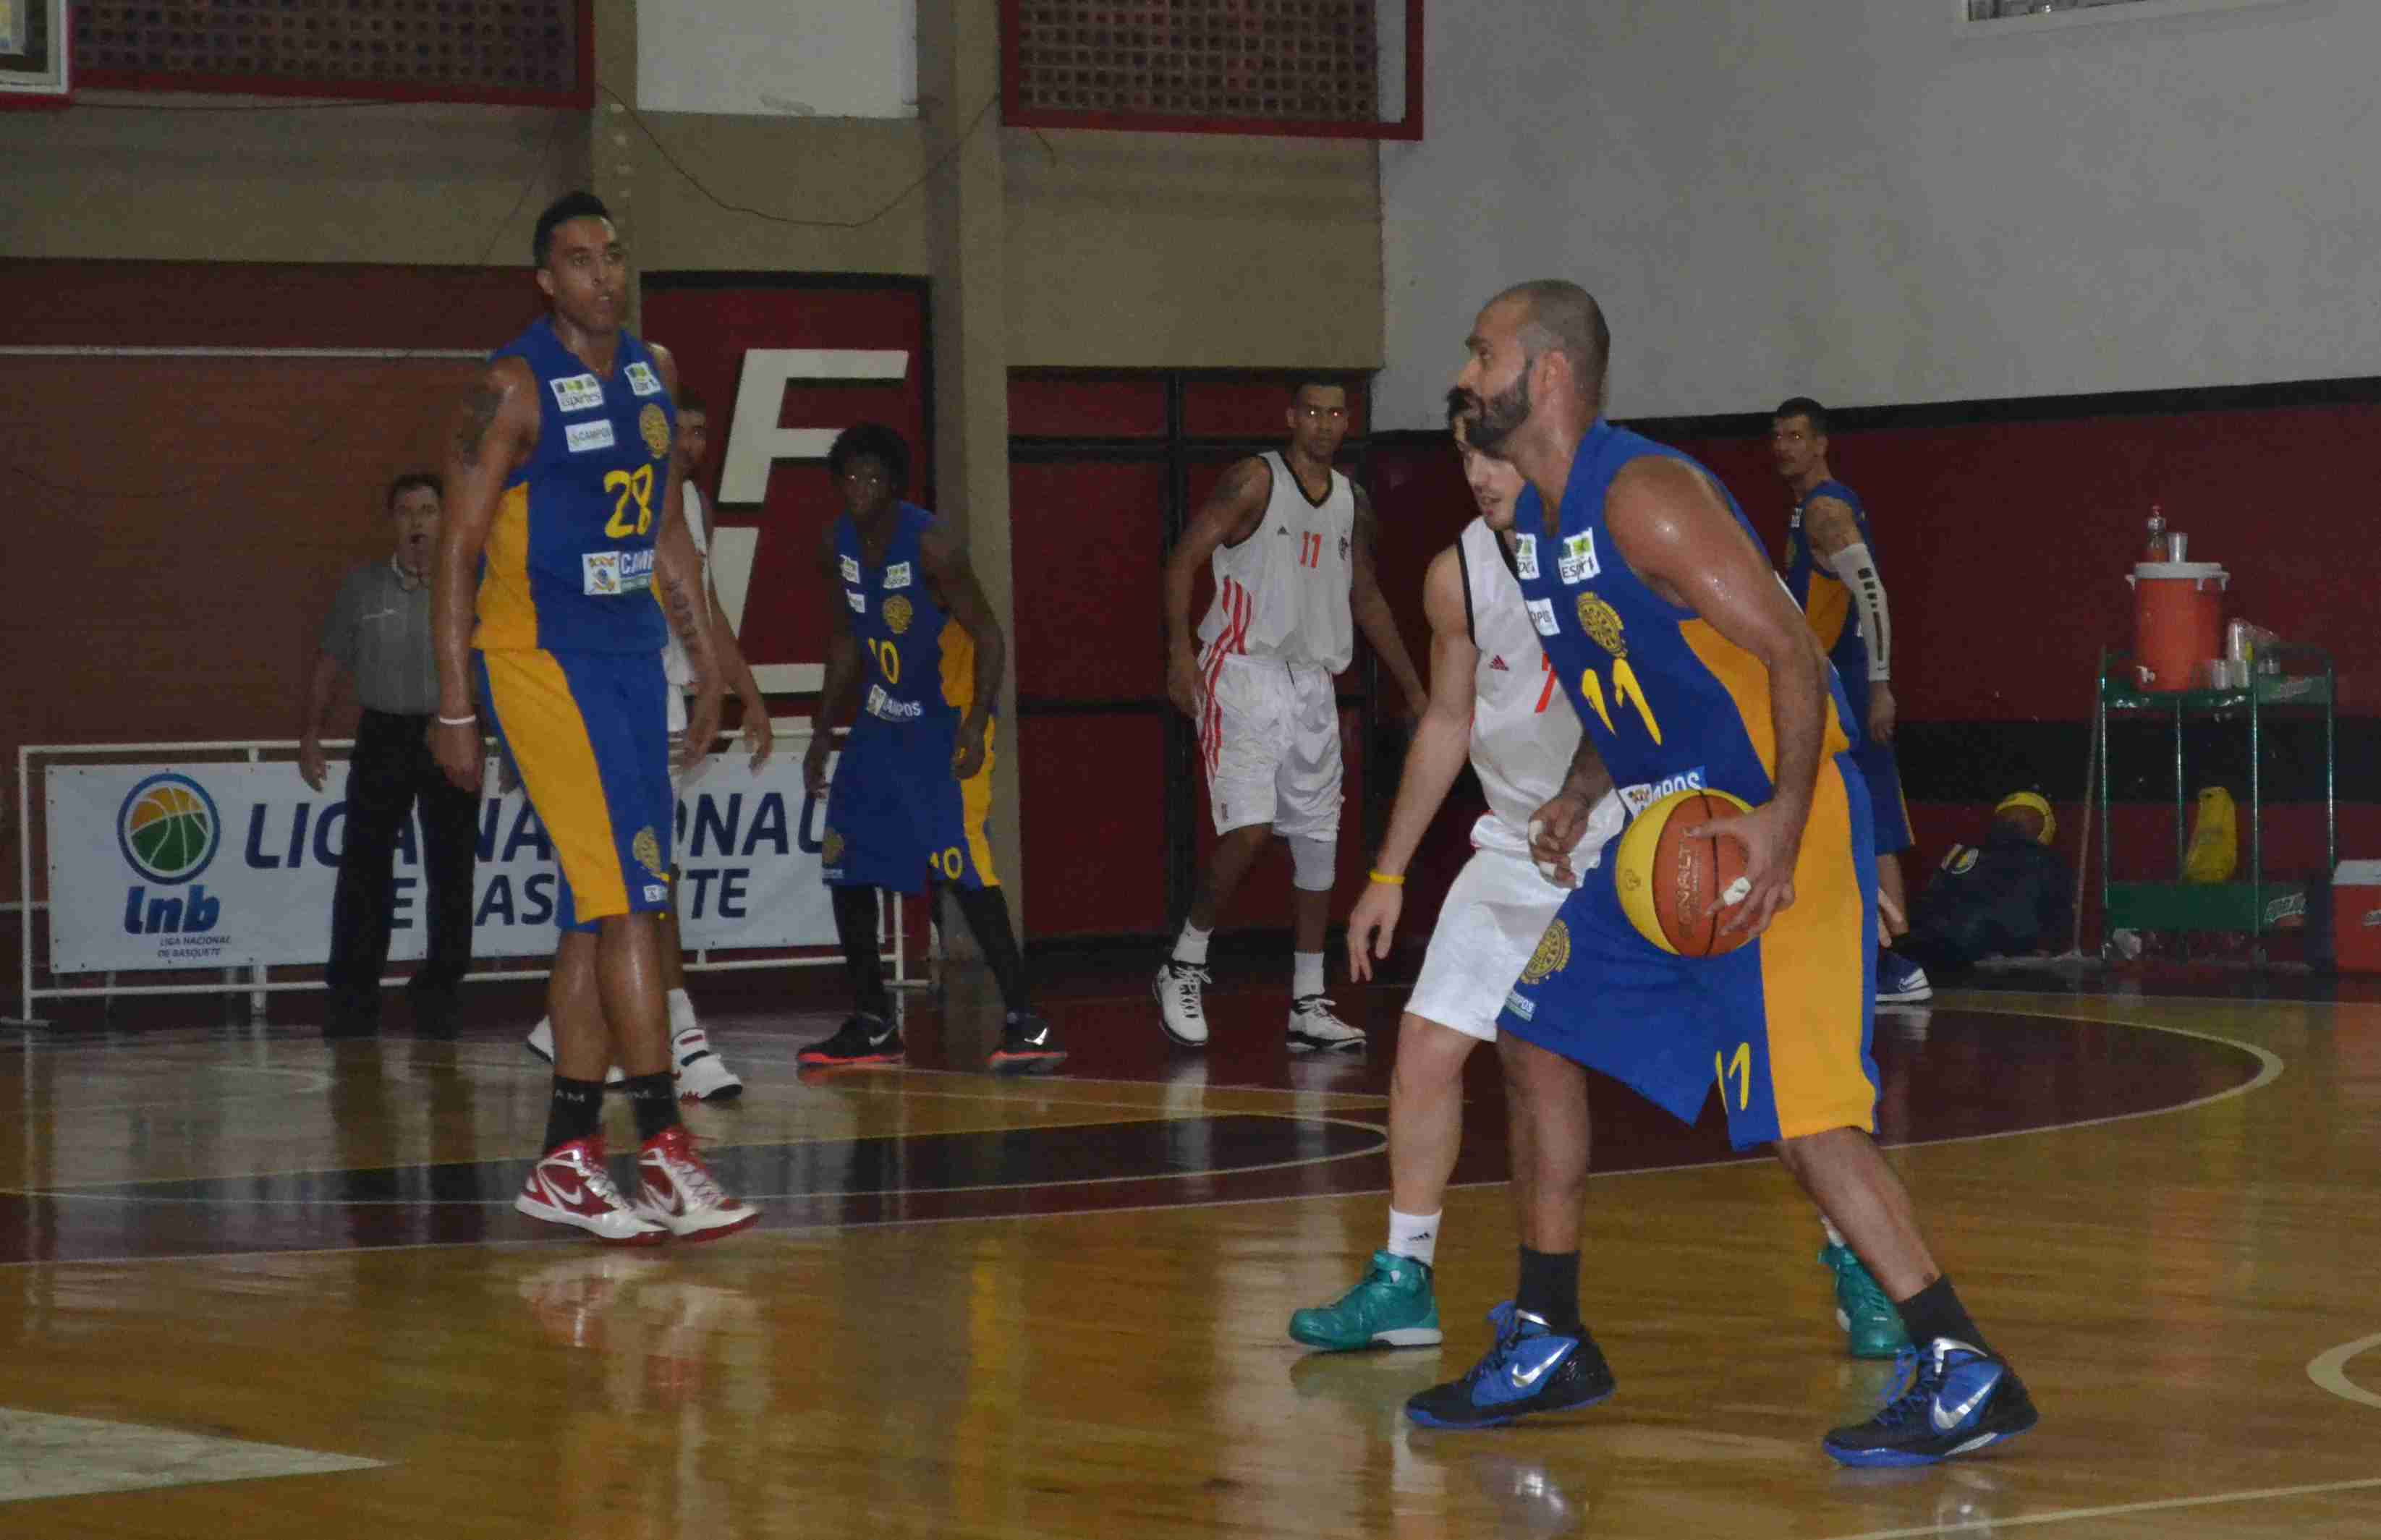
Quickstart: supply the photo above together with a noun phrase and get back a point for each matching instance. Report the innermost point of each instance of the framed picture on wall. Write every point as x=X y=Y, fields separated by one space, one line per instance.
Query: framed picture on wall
x=33 y=49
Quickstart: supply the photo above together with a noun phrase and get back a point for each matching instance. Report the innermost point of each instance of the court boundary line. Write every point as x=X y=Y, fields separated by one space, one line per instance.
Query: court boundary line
x=2329 y=1370
x=2070 y=1515
x=2271 y=1066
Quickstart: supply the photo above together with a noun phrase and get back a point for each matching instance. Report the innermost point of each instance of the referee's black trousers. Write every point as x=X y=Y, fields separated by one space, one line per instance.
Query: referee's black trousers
x=389 y=770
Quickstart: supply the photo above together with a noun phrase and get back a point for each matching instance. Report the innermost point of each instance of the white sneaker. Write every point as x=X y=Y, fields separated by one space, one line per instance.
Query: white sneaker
x=701 y=1075
x=541 y=1043
x=1314 y=1029
x=1181 y=1010
x=569 y=1186
x=676 y=1190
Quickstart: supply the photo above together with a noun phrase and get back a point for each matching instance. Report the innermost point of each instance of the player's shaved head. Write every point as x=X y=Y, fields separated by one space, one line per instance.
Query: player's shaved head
x=1557 y=317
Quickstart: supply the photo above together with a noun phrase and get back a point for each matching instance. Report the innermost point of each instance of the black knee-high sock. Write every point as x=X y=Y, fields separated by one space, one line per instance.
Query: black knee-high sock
x=576 y=1112
x=986 y=910
x=855 y=927
x=1935 y=1311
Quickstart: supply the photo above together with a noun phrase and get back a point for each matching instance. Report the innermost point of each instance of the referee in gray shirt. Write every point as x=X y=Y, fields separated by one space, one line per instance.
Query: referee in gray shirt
x=379 y=635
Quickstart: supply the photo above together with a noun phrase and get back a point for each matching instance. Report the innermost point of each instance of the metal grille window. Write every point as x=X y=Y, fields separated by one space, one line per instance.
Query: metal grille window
x=2059 y=12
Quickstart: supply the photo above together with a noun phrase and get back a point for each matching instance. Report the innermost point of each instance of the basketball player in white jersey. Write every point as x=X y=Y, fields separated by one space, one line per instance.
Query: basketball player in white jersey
x=1493 y=700
x=703 y=1076
x=1291 y=543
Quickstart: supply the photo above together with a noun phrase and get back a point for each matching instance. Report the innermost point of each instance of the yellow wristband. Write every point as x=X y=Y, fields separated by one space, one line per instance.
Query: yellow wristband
x=1397 y=881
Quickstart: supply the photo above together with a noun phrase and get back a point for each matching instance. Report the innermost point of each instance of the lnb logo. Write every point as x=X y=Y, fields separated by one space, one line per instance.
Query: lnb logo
x=168 y=830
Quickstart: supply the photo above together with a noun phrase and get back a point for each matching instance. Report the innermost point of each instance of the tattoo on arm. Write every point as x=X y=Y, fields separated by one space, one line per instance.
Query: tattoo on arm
x=479 y=415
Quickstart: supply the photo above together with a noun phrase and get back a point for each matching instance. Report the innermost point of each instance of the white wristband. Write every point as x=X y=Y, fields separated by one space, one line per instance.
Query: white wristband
x=459 y=721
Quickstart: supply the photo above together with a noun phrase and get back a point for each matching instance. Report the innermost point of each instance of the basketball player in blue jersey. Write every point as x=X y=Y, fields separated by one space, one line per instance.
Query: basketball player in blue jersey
x=1832 y=569
x=565 y=518
x=1686 y=660
x=918 y=651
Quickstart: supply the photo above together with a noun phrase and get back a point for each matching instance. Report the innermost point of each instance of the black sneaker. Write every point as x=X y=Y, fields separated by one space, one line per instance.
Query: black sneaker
x=860 y=1040
x=1027 y=1047
x=1949 y=1399
x=1531 y=1369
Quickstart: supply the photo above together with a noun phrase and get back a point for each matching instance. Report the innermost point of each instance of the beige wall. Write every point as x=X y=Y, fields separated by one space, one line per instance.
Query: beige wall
x=1191 y=251
x=424 y=183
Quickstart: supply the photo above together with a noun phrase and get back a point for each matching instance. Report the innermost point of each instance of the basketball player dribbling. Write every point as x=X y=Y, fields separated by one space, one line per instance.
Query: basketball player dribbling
x=1492 y=700
x=1682 y=653
x=565 y=520
x=1290 y=541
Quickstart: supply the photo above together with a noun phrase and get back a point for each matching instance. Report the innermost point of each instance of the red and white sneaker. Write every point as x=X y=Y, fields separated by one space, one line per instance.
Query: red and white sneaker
x=674 y=1188
x=569 y=1186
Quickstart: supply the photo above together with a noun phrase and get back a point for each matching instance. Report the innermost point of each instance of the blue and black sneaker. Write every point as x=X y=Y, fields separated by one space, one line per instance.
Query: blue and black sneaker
x=1530 y=1369
x=1948 y=1399
x=1900 y=982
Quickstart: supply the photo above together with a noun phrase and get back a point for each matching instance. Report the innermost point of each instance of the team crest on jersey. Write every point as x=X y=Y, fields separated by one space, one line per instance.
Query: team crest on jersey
x=648 y=850
x=644 y=381
x=1577 y=562
x=1602 y=624
x=1542 y=616
x=831 y=848
x=857 y=600
x=1551 y=955
x=851 y=568
x=896 y=614
x=579 y=437
x=1525 y=555
x=653 y=423
x=578 y=392
x=897 y=576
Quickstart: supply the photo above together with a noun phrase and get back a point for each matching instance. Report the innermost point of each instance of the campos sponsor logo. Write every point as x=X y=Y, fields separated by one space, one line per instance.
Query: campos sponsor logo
x=886 y=708
x=582 y=436
x=1520 y=1004
x=168 y=830
x=644 y=381
x=897 y=576
x=1542 y=616
x=1578 y=563
x=1637 y=799
x=1525 y=555
x=578 y=392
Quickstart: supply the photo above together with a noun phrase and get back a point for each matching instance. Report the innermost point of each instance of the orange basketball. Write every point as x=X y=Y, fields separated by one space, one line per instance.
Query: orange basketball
x=1669 y=880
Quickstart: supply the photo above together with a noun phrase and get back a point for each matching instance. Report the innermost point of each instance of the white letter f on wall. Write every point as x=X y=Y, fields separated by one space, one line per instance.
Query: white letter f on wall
x=754 y=440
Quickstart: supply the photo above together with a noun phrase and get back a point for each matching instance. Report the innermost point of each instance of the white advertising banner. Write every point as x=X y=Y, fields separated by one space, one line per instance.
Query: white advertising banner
x=209 y=865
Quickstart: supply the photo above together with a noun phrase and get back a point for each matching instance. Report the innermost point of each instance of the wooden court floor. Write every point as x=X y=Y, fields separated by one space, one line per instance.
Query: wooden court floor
x=250 y=1285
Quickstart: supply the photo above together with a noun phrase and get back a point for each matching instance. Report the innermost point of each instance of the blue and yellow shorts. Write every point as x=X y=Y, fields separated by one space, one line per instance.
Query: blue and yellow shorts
x=895 y=817
x=589 y=732
x=1781 y=1026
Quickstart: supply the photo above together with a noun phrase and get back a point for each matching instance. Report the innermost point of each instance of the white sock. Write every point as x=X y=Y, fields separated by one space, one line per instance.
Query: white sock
x=1414 y=1235
x=1834 y=1235
x=1306 y=975
x=681 y=1011
x=1191 y=946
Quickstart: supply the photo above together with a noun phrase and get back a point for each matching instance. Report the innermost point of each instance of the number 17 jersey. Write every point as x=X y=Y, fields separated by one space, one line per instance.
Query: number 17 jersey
x=1668 y=701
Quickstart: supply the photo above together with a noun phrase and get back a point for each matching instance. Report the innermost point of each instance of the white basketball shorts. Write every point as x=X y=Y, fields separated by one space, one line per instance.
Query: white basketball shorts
x=1496 y=910
x=1271 y=743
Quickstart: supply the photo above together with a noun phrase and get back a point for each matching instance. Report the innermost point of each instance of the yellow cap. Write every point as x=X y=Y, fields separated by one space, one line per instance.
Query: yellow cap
x=2039 y=804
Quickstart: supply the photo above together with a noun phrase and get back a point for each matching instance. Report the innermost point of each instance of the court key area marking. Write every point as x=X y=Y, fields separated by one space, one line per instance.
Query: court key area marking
x=2329 y=1369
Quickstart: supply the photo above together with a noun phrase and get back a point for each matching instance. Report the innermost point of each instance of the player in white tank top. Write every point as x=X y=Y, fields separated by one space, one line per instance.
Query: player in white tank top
x=1289 y=541
x=1490 y=703
x=701 y=1074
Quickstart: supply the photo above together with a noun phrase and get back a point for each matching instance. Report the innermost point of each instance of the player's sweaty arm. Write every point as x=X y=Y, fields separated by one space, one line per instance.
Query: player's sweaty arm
x=1230 y=515
x=1675 y=531
x=1835 y=535
x=839 y=694
x=1442 y=741
x=1371 y=611
x=946 y=567
x=495 y=427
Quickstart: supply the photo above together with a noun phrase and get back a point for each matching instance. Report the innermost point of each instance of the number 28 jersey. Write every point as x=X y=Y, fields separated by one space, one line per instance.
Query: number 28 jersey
x=570 y=560
x=921 y=663
x=1668 y=701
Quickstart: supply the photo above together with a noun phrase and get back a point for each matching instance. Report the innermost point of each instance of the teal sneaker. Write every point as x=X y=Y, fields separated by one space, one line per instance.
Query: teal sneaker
x=1872 y=1326
x=1392 y=1308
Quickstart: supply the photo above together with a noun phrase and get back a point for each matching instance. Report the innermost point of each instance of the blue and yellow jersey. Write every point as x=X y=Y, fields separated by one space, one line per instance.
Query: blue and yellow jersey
x=921 y=662
x=570 y=561
x=1669 y=703
x=1823 y=595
